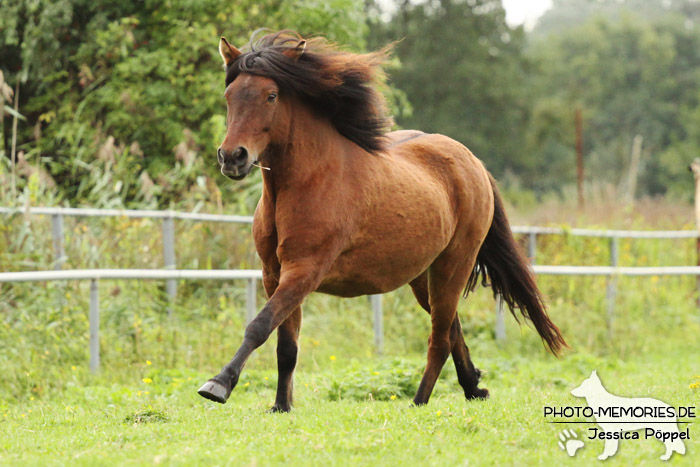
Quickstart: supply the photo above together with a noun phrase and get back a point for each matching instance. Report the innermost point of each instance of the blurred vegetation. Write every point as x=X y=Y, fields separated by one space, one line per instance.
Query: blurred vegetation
x=122 y=101
x=123 y=108
x=631 y=66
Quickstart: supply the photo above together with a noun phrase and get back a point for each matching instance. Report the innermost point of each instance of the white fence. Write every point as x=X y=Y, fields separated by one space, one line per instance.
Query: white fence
x=171 y=275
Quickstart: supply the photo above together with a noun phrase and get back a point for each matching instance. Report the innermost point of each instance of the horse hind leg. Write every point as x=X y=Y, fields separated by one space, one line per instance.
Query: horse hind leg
x=467 y=374
x=287 y=350
x=446 y=278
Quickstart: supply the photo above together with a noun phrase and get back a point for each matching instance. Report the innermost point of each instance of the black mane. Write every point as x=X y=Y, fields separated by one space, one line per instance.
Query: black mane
x=338 y=85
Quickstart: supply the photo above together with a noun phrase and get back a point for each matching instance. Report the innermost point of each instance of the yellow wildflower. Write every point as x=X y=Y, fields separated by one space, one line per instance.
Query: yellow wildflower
x=332 y=357
x=393 y=397
x=147 y=380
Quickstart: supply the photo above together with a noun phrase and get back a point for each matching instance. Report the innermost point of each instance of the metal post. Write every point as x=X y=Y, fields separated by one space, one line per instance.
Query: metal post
x=376 y=302
x=169 y=257
x=250 y=300
x=58 y=248
x=612 y=283
x=532 y=247
x=94 y=327
x=500 y=321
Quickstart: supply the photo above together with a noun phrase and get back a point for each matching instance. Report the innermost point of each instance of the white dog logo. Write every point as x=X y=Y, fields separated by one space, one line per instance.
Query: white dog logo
x=618 y=416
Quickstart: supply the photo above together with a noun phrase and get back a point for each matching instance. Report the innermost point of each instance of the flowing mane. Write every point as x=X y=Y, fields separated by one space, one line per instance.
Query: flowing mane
x=338 y=85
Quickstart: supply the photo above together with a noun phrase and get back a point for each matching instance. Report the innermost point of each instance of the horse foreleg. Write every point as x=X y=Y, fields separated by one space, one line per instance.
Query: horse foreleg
x=287 y=350
x=293 y=287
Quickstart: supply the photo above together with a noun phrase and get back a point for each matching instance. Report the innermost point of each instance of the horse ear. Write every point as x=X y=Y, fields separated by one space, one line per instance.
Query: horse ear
x=228 y=52
x=297 y=51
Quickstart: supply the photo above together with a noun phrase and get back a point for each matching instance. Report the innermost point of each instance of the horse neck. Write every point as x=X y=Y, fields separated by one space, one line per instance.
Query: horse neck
x=311 y=147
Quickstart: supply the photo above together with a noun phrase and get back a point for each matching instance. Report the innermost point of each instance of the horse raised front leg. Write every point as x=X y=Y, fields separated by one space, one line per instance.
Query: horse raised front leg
x=293 y=287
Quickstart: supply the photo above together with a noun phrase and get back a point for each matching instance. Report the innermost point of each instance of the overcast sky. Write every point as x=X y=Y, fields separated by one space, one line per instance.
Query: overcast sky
x=517 y=11
x=525 y=11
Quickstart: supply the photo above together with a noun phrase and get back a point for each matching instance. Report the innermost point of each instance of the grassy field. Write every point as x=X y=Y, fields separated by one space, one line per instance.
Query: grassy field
x=352 y=406
x=159 y=419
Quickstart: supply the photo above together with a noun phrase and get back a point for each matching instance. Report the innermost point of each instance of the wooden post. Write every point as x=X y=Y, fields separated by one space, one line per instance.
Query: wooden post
x=633 y=173
x=13 y=153
x=695 y=168
x=579 y=155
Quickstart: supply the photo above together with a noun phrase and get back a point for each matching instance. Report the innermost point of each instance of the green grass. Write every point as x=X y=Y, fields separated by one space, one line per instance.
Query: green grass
x=352 y=407
x=96 y=421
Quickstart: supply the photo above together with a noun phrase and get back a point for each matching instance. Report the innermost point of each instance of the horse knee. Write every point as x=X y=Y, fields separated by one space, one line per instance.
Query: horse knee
x=258 y=330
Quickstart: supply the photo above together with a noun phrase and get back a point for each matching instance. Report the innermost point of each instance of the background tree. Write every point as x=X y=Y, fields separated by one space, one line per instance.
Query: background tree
x=125 y=98
x=462 y=69
x=631 y=76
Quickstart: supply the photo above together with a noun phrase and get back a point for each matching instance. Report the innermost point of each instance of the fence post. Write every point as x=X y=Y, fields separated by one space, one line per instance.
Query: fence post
x=169 y=257
x=250 y=300
x=376 y=302
x=532 y=247
x=500 y=321
x=58 y=248
x=94 y=327
x=612 y=283
x=695 y=168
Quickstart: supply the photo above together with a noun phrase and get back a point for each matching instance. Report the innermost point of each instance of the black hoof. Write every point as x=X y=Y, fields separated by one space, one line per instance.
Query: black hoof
x=279 y=409
x=214 y=391
x=478 y=394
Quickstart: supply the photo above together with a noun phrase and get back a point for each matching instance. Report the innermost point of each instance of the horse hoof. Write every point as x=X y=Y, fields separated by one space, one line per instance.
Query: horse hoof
x=279 y=409
x=214 y=391
x=478 y=394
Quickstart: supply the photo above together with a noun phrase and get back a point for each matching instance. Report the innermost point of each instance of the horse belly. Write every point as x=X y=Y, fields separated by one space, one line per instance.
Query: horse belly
x=390 y=254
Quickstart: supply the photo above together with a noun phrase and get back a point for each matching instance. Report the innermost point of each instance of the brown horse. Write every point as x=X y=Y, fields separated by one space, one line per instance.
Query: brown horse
x=348 y=209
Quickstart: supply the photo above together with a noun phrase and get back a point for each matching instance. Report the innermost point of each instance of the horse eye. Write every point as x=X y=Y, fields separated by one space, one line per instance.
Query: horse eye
x=272 y=97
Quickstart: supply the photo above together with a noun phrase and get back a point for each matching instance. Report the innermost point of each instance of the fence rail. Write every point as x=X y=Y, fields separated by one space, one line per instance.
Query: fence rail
x=138 y=213
x=171 y=275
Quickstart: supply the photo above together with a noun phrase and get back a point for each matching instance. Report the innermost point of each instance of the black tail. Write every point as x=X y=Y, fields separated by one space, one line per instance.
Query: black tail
x=501 y=261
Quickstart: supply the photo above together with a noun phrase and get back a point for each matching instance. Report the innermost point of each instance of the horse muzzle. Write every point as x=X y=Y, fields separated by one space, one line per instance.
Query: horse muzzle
x=234 y=164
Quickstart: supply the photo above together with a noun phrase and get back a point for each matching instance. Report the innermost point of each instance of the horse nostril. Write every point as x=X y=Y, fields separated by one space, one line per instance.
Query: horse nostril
x=240 y=155
x=220 y=155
